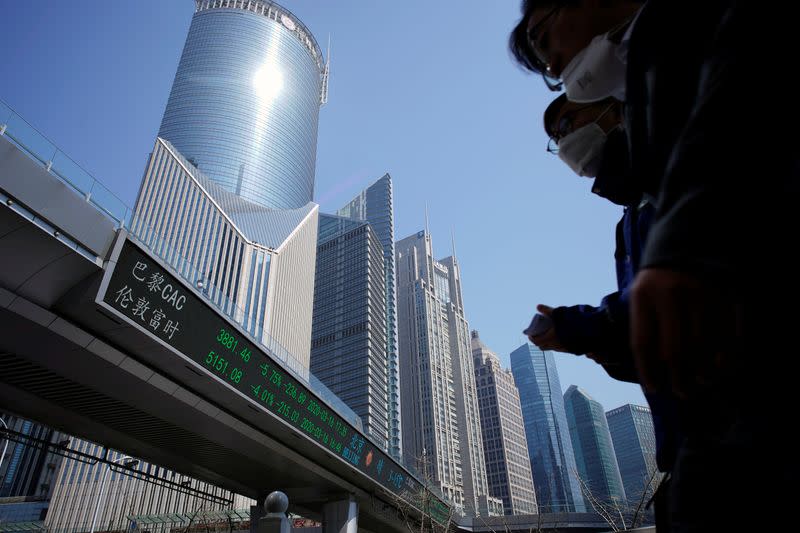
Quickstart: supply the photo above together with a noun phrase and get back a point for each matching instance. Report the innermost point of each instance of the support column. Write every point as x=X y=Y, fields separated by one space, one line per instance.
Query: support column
x=340 y=516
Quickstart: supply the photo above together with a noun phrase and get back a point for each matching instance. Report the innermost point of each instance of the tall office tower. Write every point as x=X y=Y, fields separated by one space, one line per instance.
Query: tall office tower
x=594 y=451
x=632 y=432
x=549 y=444
x=435 y=362
x=476 y=485
x=132 y=494
x=348 y=340
x=375 y=205
x=28 y=464
x=244 y=106
x=504 y=445
x=228 y=188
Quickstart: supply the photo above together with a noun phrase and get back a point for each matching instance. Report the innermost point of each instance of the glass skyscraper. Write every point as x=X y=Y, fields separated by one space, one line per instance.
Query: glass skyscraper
x=594 y=450
x=244 y=106
x=634 y=440
x=375 y=204
x=549 y=444
x=348 y=340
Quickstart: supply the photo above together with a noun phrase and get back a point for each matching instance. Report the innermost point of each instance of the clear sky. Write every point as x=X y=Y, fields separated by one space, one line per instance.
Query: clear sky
x=424 y=90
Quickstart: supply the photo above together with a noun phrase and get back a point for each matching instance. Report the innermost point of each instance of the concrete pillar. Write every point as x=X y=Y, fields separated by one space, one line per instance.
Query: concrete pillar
x=275 y=520
x=340 y=516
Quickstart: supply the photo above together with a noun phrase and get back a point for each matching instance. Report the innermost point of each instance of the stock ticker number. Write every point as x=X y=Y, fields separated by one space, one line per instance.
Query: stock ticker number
x=220 y=365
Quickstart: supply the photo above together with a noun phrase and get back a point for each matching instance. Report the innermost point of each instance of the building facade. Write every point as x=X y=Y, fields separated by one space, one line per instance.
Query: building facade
x=547 y=431
x=505 y=448
x=121 y=495
x=244 y=105
x=594 y=451
x=634 y=439
x=348 y=341
x=375 y=204
x=28 y=465
x=435 y=362
x=254 y=263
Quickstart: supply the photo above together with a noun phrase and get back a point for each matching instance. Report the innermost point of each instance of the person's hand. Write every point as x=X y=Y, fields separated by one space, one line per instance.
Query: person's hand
x=680 y=330
x=547 y=340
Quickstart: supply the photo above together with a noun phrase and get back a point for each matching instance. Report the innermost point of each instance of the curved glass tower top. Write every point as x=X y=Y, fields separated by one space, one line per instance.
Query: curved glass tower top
x=244 y=106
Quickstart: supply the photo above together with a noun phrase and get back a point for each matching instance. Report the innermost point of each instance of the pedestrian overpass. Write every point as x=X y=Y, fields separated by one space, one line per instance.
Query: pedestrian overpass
x=101 y=337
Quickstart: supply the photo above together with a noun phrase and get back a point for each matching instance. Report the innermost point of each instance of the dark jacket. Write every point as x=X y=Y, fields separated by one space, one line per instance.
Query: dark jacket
x=604 y=330
x=715 y=147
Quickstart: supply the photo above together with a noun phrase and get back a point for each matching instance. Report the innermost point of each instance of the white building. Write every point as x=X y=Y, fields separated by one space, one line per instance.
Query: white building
x=440 y=417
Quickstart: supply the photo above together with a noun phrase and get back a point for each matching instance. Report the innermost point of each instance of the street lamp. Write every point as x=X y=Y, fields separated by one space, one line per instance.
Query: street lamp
x=5 y=446
x=128 y=462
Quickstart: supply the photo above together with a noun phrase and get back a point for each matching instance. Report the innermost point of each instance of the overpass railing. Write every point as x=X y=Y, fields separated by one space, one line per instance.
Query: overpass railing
x=60 y=165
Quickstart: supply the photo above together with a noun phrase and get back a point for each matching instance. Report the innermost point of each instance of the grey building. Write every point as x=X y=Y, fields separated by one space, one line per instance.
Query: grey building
x=348 y=341
x=632 y=432
x=375 y=204
x=244 y=105
x=123 y=497
x=549 y=444
x=508 y=466
x=28 y=465
x=594 y=451
x=439 y=401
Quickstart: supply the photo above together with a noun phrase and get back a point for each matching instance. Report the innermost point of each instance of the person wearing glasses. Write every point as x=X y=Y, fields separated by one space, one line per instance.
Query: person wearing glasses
x=713 y=304
x=590 y=140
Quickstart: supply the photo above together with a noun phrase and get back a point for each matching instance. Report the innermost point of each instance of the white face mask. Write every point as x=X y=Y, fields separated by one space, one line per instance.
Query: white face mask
x=596 y=72
x=582 y=150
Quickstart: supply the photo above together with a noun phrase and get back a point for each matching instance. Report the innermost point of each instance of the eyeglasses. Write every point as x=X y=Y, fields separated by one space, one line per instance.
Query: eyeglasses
x=537 y=35
x=566 y=125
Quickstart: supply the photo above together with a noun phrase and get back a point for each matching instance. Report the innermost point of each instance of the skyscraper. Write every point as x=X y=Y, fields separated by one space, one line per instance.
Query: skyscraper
x=375 y=204
x=632 y=432
x=508 y=465
x=439 y=401
x=549 y=444
x=348 y=341
x=244 y=106
x=594 y=451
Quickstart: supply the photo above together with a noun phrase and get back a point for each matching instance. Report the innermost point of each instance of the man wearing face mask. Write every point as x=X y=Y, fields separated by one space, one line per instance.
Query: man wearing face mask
x=590 y=140
x=712 y=306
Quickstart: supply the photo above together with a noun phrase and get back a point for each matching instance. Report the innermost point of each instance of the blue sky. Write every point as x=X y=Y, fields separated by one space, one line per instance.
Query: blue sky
x=424 y=90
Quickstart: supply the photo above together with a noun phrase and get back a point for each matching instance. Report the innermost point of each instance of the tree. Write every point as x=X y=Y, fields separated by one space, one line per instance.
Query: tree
x=421 y=510
x=623 y=515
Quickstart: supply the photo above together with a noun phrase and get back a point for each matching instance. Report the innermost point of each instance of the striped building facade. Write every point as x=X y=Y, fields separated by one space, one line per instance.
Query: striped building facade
x=254 y=263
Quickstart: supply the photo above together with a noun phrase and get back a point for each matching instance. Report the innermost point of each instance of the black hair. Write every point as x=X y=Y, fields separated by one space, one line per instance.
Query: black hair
x=519 y=41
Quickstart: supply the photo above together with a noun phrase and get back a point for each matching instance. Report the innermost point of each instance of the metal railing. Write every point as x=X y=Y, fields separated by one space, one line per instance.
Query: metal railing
x=60 y=165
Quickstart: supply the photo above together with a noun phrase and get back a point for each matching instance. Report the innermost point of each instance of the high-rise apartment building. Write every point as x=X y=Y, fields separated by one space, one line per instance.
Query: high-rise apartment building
x=594 y=451
x=244 y=105
x=439 y=400
x=508 y=466
x=348 y=342
x=549 y=445
x=632 y=432
x=375 y=205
